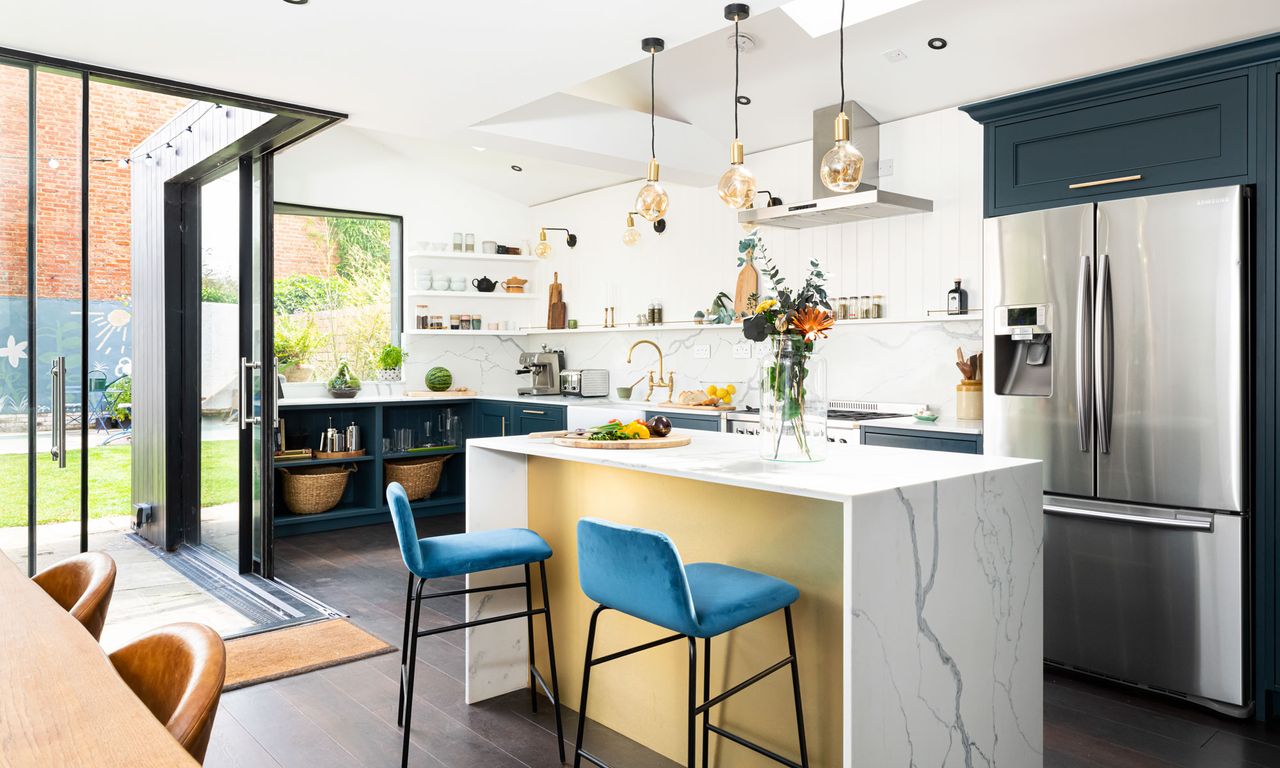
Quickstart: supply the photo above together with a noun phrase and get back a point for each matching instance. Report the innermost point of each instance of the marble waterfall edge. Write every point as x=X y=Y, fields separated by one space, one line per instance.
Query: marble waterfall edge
x=940 y=678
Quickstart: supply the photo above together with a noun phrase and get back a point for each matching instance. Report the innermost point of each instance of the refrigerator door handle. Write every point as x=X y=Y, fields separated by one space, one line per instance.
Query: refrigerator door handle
x=1103 y=351
x=1184 y=523
x=1084 y=352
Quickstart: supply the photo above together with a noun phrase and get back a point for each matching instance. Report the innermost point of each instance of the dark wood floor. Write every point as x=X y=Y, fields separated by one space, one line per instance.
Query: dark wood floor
x=345 y=715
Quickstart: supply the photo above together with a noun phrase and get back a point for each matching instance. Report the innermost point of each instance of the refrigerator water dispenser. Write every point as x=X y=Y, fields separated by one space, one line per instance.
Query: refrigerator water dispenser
x=1023 y=351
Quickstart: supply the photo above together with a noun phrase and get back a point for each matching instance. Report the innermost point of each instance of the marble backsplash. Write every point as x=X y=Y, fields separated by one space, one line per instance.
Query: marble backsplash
x=898 y=362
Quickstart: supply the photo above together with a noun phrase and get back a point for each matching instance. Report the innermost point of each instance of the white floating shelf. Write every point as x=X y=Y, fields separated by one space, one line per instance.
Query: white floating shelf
x=472 y=256
x=447 y=332
x=472 y=295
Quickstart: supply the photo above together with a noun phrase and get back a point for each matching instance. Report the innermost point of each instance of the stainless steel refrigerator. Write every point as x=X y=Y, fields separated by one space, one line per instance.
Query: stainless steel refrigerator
x=1116 y=353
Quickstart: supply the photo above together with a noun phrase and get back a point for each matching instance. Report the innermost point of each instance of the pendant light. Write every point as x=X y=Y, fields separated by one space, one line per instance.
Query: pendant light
x=630 y=235
x=737 y=187
x=841 y=168
x=652 y=201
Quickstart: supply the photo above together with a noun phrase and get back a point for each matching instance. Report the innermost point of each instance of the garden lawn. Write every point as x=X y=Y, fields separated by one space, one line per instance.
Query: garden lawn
x=110 y=478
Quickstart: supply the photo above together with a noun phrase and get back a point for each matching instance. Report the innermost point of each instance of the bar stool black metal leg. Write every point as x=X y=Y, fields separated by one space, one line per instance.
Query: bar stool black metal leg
x=795 y=687
x=586 y=682
x=551 y=657
x=528 y=607
x=404 y=648
x=413 y=666
x=693 y=703
x=706 y=696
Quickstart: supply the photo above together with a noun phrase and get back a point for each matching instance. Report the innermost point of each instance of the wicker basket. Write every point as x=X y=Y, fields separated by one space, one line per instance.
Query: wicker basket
x=312 y=490
x=420 y=477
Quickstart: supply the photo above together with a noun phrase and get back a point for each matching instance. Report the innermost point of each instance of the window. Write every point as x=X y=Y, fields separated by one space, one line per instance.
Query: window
x=337 y=290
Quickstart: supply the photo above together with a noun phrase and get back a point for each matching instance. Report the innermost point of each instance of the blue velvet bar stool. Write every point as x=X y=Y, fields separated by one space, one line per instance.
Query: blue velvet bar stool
x=639 y=572
x=459 y=554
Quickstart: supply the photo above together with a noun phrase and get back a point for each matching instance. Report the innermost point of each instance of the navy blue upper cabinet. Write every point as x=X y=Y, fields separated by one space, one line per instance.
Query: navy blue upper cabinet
x=1191 y=133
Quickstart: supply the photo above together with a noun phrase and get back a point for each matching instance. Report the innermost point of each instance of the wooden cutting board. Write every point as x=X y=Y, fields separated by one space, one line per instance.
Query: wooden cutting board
x=748 y=283
x=557 y=310
x=449 y=393
x=708 y=408
x=670 y=441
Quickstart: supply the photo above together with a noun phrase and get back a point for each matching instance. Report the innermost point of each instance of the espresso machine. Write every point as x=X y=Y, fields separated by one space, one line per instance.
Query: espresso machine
x=544 y=371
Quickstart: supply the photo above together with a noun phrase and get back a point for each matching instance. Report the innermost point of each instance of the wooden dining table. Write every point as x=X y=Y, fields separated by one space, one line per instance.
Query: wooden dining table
x=61 y=701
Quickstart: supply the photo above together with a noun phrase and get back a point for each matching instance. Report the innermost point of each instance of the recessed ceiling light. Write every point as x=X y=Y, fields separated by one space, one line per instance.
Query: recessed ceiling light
x=296 y=2
x=479 y=149
x=516 y=168
x=744 y=100
x=746 y=43
x=937 y=43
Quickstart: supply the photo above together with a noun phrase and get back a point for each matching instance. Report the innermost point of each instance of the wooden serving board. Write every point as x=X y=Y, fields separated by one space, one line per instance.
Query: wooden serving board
x=427 y=395
x=670 y=441
x=707 y=408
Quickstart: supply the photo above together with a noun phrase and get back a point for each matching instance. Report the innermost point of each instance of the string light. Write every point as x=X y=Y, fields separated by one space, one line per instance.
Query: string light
x=147 y=157
x=53 y=162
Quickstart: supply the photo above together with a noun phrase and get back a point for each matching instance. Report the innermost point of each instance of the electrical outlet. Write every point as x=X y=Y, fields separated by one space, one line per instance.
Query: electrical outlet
x=886 y=167
x=702 y=352
x=742 y=350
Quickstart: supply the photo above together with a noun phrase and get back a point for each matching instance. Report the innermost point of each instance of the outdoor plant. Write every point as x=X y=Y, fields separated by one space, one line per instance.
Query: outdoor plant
x=296 y=339
x=793 y=319
x=119 y=395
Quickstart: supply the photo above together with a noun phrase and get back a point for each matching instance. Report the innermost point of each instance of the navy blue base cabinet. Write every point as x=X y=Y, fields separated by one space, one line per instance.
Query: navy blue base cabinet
x=1206 y=119
x=920 y=439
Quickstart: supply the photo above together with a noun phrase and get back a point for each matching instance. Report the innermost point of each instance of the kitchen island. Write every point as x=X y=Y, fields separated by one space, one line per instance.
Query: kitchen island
x=919 y=625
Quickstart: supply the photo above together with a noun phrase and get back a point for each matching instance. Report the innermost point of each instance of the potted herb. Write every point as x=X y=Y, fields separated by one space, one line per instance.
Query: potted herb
x=793 y=379
x=389 y=362
x=296 y=339
x=344 y=384
x=119 y=397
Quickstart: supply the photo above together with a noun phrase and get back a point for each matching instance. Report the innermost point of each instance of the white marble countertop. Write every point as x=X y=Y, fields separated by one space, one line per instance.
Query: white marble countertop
x=946 y=424
x=565 y=400
x=729 y=459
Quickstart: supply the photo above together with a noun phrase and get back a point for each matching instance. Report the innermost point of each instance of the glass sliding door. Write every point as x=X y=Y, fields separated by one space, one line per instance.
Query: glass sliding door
x=42 y=293
x=236 y=371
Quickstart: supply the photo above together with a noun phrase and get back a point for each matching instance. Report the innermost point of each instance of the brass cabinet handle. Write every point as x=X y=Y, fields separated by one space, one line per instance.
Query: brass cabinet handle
x=1100 y=182
x=504 y=426
x=534 y=413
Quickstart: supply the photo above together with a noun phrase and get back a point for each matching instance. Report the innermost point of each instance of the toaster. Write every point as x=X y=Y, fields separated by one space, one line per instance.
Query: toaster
x=589 y=382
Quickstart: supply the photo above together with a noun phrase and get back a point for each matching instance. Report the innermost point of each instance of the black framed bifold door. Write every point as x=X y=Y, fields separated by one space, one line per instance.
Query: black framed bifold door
x=231 y=393
x=43 y=306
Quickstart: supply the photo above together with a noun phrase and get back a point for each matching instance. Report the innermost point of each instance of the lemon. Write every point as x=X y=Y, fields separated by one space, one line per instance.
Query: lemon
x=711 y=391
x=727 y=399
x=731 y=389
x=722 y=393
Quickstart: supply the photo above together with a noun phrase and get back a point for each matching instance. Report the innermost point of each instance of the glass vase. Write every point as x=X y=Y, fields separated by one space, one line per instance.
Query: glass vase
x=793 y=402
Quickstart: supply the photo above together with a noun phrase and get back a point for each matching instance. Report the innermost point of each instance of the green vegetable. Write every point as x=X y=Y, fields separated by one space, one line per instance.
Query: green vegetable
x=610 y=431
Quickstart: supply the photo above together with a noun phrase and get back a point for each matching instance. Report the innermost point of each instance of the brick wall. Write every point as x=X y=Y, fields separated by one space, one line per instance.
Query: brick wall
x=301 y=246
x=119 y=119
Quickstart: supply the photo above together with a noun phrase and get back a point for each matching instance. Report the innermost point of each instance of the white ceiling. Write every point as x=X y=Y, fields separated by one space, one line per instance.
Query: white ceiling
x=562 y=88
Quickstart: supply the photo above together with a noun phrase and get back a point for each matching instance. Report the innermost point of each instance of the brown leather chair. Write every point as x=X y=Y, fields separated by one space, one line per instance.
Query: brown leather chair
x=178 y=670
x=82 y=585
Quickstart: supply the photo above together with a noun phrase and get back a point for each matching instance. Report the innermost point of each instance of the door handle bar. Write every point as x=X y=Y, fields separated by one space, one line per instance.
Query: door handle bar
x=1084 y=352
x=58 y=408
x=245 y=380
x=1104 y=353
x=1121 y=517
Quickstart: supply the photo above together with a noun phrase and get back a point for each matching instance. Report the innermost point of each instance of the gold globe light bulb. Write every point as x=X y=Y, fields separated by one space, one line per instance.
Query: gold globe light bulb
x=841 y=169
x=543 y=249
x=652 y=201
x=630 y=235
x=737 y=187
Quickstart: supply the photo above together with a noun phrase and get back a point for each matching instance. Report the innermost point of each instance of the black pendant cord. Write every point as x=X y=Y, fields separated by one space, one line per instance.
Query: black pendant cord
x=653 y=146
x=737 y=54
x=841 y=55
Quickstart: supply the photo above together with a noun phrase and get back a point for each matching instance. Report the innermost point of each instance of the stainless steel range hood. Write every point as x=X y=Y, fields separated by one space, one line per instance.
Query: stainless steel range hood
x=868 y=202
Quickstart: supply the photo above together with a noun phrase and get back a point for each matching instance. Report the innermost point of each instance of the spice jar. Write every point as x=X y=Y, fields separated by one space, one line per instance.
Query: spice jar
x=422 y=320
x=454 y=320
x=464 y=322
x=877 y=306
x=475 y=323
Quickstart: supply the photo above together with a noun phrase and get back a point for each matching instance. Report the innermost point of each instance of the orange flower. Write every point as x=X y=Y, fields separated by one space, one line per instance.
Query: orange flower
x=812 y=322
